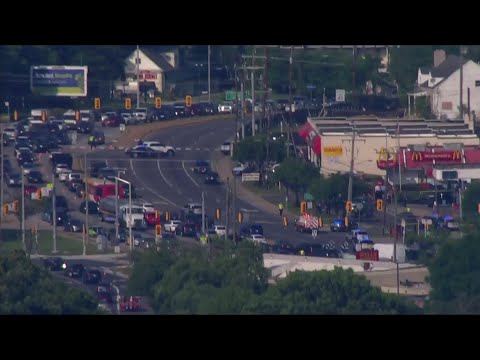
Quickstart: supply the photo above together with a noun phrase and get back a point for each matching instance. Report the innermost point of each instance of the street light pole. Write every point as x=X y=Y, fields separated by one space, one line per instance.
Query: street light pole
x=54 y=214
x=130 y=220
x=203 y=212
x=116 y=209
x=209 y=99
x=253 y=92
x=227 y=210
x=87 y=232
x=23 y=212
x=137 y=61
x=386 y=183
x=234 y=209
x=352 y=164
x=1 y=170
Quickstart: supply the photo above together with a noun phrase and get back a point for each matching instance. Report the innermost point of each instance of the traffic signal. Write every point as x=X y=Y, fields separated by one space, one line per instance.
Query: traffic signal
x=128 y=103
x=188 y=100
x=218 y=214
x=240 y=217
x=5 y=209
x=158 y=229
x=285 y=220
x=15 y=115
x=379 y=205
x=320 y=222
x=44 y=116
x=158 y=102
x=346 y=221
x=97 y=104
x=157 y=215
x=77 y=115
x=303 y=207
x=167 y=216
x=478 y=208
x=348 y=207
x=15 y=205
x=39 y=194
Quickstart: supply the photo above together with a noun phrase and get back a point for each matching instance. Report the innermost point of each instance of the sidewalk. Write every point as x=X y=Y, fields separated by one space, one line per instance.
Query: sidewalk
x=223 y=165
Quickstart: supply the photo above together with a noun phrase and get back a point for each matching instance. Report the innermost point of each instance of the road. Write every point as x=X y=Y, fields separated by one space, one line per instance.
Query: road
x=171 y=183
x=120 y=282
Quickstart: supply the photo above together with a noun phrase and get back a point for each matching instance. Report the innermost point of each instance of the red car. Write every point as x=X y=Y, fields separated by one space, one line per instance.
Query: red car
x=113 y=121
x=150 y=218
x=29 y=190
x=131 y=303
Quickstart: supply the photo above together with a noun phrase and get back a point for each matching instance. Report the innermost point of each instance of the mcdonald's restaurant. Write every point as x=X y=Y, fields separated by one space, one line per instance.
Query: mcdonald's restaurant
x=410 y=150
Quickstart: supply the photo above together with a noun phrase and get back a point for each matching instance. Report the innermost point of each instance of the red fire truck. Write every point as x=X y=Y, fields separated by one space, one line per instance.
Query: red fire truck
x=99 y=189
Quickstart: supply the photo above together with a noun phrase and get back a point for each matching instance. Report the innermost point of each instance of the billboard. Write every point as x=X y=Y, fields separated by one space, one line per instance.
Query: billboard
x=59 y=80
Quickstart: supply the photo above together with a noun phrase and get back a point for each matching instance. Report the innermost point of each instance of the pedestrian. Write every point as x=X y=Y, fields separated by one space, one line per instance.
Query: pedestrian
x=91 y=140
x=280 y=209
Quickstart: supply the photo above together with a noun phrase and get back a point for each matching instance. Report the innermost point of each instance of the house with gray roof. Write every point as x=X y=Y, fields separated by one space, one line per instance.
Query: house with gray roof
x=442 y=83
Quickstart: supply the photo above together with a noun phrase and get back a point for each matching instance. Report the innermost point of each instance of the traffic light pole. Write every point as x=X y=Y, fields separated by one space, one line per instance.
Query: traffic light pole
x=234 y=209
x=352 y=164
x=23 y=212
x=137 y=61
x=203 y=212
x=2 y=179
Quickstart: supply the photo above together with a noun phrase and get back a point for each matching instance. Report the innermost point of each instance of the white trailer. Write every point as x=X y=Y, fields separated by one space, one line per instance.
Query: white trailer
x=385 y=252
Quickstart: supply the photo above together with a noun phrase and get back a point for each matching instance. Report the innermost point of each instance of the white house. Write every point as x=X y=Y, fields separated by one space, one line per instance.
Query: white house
x=442 y=85
x=152 y=68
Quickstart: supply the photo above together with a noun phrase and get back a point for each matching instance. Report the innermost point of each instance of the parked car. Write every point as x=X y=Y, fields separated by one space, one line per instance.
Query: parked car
x=35 y=177
x=212 y=178
x=73 y=225
x=92 y=277
x=171 y=225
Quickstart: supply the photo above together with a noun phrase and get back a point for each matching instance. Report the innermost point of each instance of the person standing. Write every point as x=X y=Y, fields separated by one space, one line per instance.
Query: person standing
x=91 y=140
x=280 y=209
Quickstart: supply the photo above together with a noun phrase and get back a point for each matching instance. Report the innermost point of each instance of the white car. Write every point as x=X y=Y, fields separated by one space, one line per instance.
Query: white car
x=64 y=175
x=129 y=118
x=74 y=176
x=257 y=238
x=225 y=108
x=225 y=148
x=148 y=207
x=239 y=169
x=220 y=230
x=163 y=149
x=61 y=168
x=171 y=225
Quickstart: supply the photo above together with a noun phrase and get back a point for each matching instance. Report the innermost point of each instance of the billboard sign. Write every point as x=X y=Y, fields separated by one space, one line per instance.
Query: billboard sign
x=59 y=80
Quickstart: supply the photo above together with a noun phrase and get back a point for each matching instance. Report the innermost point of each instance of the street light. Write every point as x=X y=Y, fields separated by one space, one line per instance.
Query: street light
x=117 y=179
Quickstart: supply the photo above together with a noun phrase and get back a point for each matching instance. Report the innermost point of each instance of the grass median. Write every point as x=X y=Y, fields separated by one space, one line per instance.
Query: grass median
x=67 y=244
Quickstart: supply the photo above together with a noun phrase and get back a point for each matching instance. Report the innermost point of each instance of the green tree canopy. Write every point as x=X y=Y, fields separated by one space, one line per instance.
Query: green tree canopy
x=455 y=276
x=296 y=175
x=27 y=289
x=327 y=292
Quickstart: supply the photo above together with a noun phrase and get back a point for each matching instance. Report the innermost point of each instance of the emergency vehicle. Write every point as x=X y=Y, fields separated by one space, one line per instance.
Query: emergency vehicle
x=307 y=223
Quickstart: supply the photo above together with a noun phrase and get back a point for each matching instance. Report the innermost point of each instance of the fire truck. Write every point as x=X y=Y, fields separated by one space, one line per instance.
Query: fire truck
x=307 y=223
x=99 y=189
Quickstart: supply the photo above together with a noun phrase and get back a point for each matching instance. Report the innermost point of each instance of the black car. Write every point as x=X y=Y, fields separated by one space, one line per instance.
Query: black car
x=84 y=127
x=126 y=191
x=189 y=230
x=282 y=247
x=179 y=110
x=95 y=166
x=61 y=215
x=74 y=184
x=107 y=173
x=13 y=179
x=252 y=229
x=54 y=264
x=40 y=145
x=73 y=225
x=75 y=271
x=35 y=177
x=166 y=112
x=211 y=178
x=61 y=202
x=92 y=207
x=105 y=293
x=23 y=157
x=98 y=137
x=92 y=277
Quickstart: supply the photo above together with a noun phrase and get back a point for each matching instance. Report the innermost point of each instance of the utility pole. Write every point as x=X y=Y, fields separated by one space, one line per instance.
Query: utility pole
x=253 y=91
x=209 y=98
x=462 y=49
x=23 y=211
x=354 y=70
x=234 y=209
x=395 y=199
x=116 y=208
x=54 y=215
x=203 y=212
x=290 y=81
x=266 y=85
x=398 y=157
x=86 y=202
x=227 y=210
x=137 y=61
x=386 y=183
x=2 y=179
x=236 y=103
x=244 y=107
x=352 y=164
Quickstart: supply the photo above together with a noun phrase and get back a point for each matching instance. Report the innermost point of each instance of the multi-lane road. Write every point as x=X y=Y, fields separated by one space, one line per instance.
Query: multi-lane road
x=170 y=183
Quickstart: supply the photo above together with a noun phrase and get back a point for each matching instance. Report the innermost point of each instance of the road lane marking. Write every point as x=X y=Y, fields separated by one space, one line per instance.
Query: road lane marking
x=189 y=176
x=178 y=148
x=188 y=149
x=198 y=149
x=150 y=189
x=163 y=176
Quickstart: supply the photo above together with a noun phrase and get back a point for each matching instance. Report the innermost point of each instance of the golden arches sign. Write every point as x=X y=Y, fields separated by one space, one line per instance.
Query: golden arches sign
x=387 y=154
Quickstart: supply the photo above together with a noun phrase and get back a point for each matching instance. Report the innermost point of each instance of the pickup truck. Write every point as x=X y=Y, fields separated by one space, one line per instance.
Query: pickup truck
x=225 y=148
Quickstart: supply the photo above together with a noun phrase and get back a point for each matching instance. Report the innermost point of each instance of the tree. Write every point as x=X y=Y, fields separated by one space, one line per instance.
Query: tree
x=470 y=200
x=296 y=175
x=455 y=277
x=405 y=61
x=28 y=289
x=327 y=292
